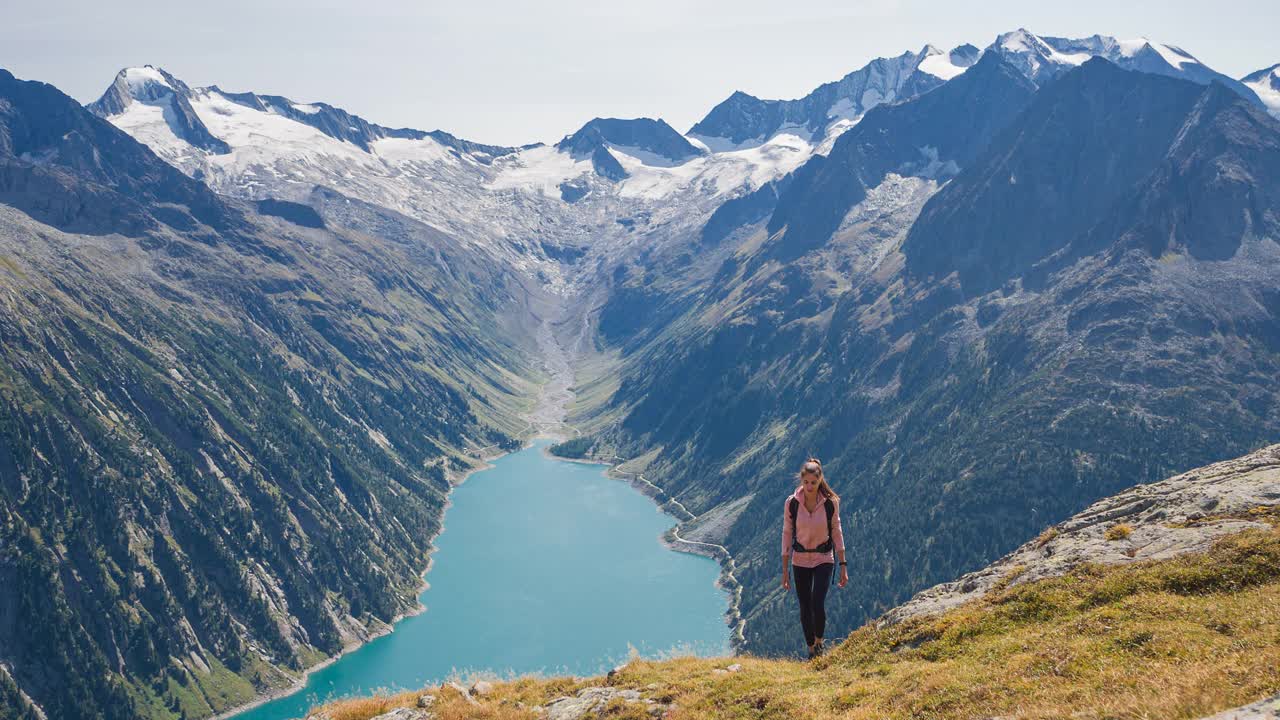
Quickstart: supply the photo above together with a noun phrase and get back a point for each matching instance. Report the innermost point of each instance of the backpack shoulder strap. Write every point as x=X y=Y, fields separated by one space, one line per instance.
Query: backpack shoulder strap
x=793 y=507
x=831 y=511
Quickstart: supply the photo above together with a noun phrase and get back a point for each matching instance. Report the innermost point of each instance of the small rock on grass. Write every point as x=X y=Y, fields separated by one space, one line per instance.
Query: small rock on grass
x=588 y=702
x=481 y=688
x=405 y=714
x=466 y=694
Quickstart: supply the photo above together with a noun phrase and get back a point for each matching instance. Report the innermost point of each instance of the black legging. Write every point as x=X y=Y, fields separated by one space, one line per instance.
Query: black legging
x=811 y=588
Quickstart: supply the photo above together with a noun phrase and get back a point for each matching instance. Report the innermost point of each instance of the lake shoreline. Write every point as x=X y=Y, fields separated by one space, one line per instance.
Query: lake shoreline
x=545 y=421
x=726 y=581
x=300 y=683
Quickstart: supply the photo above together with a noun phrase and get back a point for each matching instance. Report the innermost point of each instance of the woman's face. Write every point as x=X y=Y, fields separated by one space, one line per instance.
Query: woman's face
x=810 y=478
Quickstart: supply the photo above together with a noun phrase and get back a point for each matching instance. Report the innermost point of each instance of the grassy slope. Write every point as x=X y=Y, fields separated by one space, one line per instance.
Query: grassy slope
x=1178 y=638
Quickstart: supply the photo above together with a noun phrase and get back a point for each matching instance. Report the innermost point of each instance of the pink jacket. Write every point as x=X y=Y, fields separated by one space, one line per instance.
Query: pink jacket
x=811 y=531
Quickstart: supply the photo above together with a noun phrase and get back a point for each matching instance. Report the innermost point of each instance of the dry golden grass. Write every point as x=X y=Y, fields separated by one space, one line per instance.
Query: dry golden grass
x=1180 y=638
x=363 y=708
x=1047 y=536
x=1119 y=531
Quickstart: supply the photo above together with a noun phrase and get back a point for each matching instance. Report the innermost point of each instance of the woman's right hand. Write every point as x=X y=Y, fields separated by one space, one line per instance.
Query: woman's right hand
x=786 y=581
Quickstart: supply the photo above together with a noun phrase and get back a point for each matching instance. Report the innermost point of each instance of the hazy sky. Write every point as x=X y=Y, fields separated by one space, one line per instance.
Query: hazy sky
x=504 y=71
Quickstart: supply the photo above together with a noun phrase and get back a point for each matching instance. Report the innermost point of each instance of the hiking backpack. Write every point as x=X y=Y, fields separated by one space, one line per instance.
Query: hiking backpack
x=794 y=507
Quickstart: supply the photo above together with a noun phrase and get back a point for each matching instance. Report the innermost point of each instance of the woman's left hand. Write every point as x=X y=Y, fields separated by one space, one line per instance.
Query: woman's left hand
x=844 y=576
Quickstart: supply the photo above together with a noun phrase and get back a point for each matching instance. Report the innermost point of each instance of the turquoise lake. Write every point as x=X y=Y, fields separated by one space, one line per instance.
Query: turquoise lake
x=544 y=566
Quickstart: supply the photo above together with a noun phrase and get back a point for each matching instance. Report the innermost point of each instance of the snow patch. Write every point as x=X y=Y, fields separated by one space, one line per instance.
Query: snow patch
x=308 y=109
x=644 y=156
x=1129 y=48
x=139 y=78
x=542 y=169
x=405 y=150
x=940 y=66
x=722 y=172
x=1172 y=55
x=1268 y=92
x=722 y=144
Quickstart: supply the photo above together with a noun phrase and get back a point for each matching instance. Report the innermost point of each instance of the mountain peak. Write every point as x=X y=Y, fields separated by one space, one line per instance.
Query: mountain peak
x=1042 y=58
x=148 y=80
x=142 y=83
x=152 y=86
x=653 y=142
x=1018 y=40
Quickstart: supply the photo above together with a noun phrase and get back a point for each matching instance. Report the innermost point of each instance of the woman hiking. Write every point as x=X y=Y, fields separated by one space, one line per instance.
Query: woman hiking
x=811 y=539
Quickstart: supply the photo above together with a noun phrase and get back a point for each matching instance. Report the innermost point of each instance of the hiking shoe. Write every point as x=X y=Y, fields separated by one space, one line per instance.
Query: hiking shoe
x=817 y=649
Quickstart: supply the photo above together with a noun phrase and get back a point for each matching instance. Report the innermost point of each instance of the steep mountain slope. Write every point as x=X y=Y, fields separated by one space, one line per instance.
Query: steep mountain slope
x=931 y=137
x=1086 y=305
x=226 y=430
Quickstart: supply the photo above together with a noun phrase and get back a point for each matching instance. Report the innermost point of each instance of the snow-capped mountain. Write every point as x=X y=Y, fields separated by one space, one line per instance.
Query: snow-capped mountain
x=613 y=185
x=1042 y=57
x=1266 y=83
x=744 y=120
x=148 y=86
x=653 y=142
x=148 y=98
x=640 y=137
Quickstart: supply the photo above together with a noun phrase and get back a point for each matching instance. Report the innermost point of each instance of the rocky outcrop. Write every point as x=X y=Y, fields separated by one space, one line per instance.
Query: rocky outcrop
x=1183 y=514
x=592 y=703
x=1268 y=709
